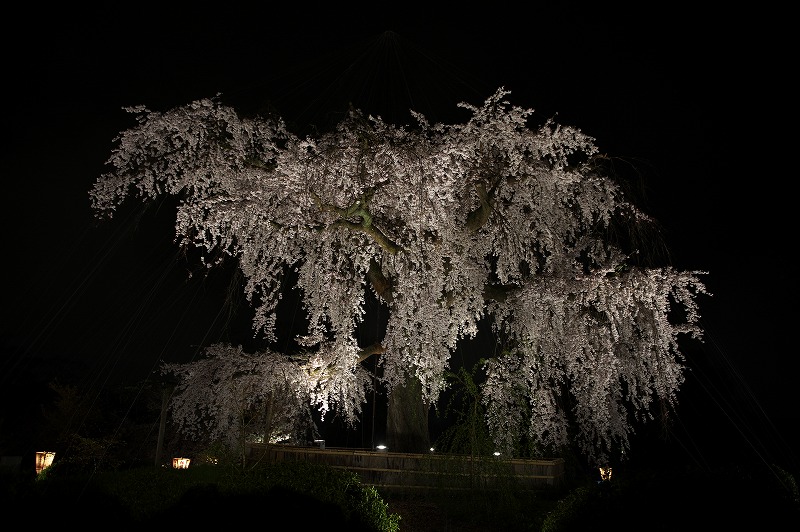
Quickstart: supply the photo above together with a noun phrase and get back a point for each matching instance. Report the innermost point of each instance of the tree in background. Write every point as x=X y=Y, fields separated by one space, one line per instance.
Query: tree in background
x=446 y=226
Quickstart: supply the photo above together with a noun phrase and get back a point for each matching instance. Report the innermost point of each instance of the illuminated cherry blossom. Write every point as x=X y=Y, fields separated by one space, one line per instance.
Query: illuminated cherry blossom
x=448 y=225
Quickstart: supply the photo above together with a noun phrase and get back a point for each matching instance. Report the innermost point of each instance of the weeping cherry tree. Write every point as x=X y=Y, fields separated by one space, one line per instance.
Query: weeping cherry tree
x=231 y=397
x=446 y=225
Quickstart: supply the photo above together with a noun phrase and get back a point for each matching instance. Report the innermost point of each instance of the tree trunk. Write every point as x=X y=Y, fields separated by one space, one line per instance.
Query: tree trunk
x=407 y=419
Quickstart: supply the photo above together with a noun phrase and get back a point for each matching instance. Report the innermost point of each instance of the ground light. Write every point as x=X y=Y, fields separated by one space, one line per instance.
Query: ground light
x=605 y=474
x=44 y=459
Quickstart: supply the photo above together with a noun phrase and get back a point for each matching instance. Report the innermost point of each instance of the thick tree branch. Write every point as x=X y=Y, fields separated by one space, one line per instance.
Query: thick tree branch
x=379 y=282
x=359 y=209
x=498 y=292
x=374 y=349
x=377 y=235
x=477 y=218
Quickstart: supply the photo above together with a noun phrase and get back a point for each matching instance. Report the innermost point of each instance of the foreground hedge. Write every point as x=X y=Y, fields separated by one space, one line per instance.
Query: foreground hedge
x=307 y=495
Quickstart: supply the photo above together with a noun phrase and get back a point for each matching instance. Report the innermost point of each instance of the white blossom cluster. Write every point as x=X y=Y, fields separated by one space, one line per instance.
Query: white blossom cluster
x=606 y=339
x=449 y=225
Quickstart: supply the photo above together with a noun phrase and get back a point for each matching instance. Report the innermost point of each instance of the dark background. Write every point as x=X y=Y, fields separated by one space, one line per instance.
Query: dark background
x=694 y=103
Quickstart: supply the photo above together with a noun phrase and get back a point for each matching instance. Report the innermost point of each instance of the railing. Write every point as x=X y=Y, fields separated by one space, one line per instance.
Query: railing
x=410 y=471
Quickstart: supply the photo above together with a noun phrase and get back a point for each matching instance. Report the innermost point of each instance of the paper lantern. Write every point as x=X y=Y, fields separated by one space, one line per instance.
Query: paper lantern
x=181 y=463
x=44 y=459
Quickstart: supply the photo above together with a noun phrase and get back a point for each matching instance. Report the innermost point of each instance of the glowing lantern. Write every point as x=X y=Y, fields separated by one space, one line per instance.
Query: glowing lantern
x=605 y=473
x=44 y=459
x=181 y=463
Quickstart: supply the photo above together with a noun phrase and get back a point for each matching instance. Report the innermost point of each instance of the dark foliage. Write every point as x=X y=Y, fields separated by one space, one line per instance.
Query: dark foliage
x=310 y=497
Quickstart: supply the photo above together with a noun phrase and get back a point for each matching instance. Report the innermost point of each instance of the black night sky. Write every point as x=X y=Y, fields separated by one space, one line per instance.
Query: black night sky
x=698 y=102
